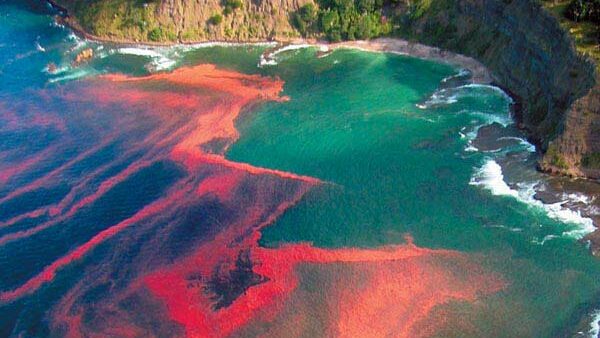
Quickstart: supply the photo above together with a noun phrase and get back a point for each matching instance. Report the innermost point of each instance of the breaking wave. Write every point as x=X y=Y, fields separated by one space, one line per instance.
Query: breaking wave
x=490 y=177
x=270 y=58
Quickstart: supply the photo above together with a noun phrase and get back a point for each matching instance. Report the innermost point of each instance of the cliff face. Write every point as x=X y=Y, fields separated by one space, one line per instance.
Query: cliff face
x=184 y=20
x=576 y=152
x=529 y=55
x=522 y=45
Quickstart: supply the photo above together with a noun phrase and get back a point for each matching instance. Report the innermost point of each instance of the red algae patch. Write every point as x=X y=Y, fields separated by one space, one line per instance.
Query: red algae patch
x=381 y=292
x=188 y=262
x=207 y=111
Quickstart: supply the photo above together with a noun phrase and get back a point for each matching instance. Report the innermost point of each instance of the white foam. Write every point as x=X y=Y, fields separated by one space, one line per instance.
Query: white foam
x=39 y=47
x=594 y=331
x=471 y=148
x=528 y=146
x=447 y=96
x=159 y=60
x=579 y=198
x=461 y=73
x=502 y=226
x=269 y=59
x=490 y=87
x=439 y=98
x=470 y=137
x=76 y=74
x=490 y=177
x=544 y=240
x=504 y=121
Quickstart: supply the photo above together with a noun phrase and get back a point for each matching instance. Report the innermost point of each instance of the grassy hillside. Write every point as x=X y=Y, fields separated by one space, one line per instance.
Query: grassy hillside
x=131 y=19
x=585 y=33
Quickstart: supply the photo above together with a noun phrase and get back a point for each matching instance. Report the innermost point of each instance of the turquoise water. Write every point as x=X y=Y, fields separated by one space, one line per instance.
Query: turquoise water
x=392 y=168
x=391 y=137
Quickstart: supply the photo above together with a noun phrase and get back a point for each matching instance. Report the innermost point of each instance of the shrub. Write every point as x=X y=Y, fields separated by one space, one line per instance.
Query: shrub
x=343 y=19
x=591 y=160
x=556 y=159
x=583 y=10
x=231 y=5
x=304 y=19
x=215 y=19
x=155 y=34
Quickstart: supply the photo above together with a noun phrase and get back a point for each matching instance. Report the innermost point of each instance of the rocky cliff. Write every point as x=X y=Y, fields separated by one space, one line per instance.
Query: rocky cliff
x=523 y=46
x=530 y=56
x=184 y=20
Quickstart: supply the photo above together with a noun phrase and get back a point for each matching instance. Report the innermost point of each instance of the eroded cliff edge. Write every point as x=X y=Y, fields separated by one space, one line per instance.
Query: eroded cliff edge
x=522 y=45
x=530 y=56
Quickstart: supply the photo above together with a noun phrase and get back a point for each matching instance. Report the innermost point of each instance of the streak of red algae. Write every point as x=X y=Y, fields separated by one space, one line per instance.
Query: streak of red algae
x=7 y=172
x=402 y=288
x=50 y=271
x=216 y=119
x=40 y=182
x=212 y=117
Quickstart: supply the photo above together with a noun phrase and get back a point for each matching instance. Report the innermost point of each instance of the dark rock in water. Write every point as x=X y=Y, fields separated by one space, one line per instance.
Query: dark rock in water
x=227 y=285
x=52 y=68
x=547 y=197
x=495 y=136
x=593 y=239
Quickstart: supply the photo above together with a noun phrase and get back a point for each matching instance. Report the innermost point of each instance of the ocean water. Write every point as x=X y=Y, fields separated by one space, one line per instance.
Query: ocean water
x=149 y=193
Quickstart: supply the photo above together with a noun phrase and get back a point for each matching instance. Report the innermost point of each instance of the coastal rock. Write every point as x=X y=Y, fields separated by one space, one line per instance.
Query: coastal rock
x=52 y=68
x=525 y=49
x=576 y=151
x=184 y=20
x=83 y=56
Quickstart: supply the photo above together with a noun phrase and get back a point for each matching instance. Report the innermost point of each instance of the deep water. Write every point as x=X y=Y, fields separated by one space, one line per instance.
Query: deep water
x=401 y=146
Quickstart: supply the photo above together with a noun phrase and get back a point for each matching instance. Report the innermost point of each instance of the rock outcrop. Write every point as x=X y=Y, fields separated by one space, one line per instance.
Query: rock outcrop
x=530 y=56
x=184 y=20
x=83 y=56
x=576 y=152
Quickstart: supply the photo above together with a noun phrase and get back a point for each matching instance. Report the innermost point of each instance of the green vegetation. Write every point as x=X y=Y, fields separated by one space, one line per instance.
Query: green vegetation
x=130 y=19
x=591 y=160
x=231 y=5
x=334 y=20
x=581 y=18
x=215 y=20
x=583 y=10
x=342 y=19
x=305 y=19
x=161 y=34
x=556 y=159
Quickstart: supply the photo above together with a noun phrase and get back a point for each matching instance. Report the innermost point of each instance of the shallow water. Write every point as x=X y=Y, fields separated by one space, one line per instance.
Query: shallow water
x=133 y=207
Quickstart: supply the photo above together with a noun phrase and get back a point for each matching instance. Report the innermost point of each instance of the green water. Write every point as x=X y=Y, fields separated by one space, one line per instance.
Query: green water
x=392 y=168
x=389 y=168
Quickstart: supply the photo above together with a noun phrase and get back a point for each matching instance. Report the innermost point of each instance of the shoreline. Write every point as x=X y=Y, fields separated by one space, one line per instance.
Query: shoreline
x=479 y=73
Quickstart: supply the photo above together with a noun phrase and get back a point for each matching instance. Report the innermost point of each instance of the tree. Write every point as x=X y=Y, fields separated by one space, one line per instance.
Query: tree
x=305 y=18
x=330 y=25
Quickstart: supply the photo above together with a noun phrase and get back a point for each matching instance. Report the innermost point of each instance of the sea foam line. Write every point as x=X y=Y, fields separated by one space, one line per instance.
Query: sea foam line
x=447 y=96
x=159 y=60
x=269 y=59
x=491 y=178
x=594 y=331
